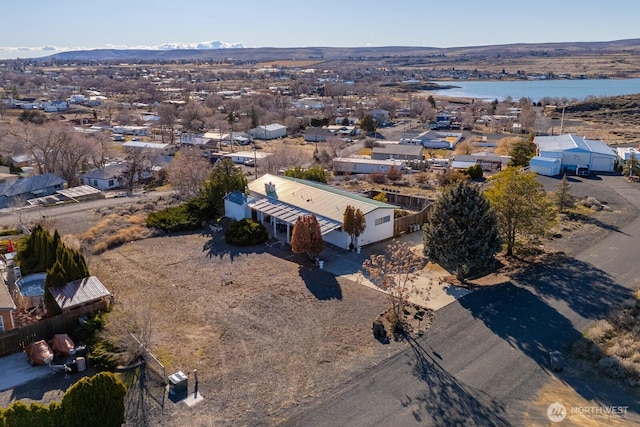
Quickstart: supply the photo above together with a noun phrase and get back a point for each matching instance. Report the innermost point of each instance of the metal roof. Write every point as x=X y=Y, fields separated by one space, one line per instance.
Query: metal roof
x=289 y=214
x=569 y=141
x=309 y=196
x=79 y=292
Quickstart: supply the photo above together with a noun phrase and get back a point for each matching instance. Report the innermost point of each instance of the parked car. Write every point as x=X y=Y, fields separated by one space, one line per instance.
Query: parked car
x=249 y=162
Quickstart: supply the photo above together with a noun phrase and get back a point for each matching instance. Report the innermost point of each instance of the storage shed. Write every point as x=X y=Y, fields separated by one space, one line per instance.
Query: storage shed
x=547 y=166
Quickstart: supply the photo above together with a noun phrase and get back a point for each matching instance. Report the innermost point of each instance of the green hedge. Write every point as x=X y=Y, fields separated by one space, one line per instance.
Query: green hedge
x=188 y=216
x=92 y=401
x=246 y=232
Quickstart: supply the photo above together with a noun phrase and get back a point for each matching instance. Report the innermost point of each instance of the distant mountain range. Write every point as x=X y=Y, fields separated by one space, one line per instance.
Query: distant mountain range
x=216 y=50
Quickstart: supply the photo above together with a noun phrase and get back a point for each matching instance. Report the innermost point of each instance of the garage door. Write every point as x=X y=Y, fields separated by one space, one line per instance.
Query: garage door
x=601 y=163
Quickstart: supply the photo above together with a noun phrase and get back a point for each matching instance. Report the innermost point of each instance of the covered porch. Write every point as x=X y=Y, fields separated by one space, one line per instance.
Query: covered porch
x=280 y=217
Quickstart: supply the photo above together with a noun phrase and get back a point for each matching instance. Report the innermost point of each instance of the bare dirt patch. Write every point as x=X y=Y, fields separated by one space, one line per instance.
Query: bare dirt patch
x=281 y=335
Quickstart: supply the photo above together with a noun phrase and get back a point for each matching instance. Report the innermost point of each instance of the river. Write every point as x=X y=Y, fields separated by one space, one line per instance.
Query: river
x=535 y=90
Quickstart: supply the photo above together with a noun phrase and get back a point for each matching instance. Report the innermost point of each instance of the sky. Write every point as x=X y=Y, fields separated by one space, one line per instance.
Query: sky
x=42 y=27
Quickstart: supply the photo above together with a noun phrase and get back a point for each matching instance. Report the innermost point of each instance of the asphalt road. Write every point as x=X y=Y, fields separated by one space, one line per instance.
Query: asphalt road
x=486 y=355
x=12 y=216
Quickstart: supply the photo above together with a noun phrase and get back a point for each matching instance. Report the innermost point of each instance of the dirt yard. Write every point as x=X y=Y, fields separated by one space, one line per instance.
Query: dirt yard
x=282 y=334
x=272 y=338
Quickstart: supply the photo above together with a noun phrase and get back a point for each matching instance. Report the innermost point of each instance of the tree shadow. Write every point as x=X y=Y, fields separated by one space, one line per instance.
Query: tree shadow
x=217 y=247
x=522 y=319
x=588 y=291
x=446 y=401
x=55 y=382
x=528 y=323
x=577 y=217
x=322 y=284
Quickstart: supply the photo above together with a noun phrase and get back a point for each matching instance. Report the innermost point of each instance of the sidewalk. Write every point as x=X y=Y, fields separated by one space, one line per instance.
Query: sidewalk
x=349 y=265
x=16 y=371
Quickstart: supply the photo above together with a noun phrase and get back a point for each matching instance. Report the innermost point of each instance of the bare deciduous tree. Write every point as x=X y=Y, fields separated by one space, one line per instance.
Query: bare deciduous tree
x=187 y=171
x=395 y=272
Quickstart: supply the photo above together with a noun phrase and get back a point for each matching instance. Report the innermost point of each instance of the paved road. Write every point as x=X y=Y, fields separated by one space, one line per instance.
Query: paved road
x=485 y=356
x=11 y=216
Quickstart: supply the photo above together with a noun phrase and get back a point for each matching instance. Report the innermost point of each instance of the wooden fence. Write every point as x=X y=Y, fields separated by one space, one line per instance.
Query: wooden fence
x=405 y=201
x=410 y=223
x=15 y=340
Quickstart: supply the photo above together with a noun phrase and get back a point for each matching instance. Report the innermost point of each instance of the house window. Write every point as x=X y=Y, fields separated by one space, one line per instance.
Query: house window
x=95 y=182
x=110 y=183
x=1 y=324
x=382 y=220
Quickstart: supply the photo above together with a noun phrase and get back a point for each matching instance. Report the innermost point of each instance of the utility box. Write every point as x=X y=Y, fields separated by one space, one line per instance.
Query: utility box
x=178 y=384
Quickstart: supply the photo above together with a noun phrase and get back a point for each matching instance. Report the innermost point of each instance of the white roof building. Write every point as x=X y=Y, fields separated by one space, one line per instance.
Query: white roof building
x=280 y=200
x=576 y=151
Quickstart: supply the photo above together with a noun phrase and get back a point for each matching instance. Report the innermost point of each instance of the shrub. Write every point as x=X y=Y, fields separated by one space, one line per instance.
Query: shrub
x=377 y=178
x=246 y=232
x=86 y=332
x=98 y=400
x=104 y=356
x=475 y=171
x=19 y=414
x=173 y=219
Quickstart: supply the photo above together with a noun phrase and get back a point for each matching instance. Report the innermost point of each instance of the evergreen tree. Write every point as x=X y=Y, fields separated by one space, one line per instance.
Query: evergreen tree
x=307 y=236
x=225 y=177
x=562 y=196
x=368 y=124
x=56 y=278
x=521 y=153
x=522 y=206
x=462 y=230
x=631 y=167
x=95 y=401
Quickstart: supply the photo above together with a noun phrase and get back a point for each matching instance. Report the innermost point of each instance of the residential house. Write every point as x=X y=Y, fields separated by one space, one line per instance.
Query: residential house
x=154 y=147
x=109 y=177
x=314 y=134
x=29 y=188
x=397 y=152
x=240 y=157
x=278 y=201
x=364 y=165
x=380 y=116
x=55 y=106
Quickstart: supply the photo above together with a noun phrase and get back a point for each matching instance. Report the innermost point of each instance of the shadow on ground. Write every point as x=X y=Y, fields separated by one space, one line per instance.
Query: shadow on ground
x=322 y=284
x=217 y=247
x=55 y=385
x=588 y=291
x=446 y=401
x=525 y=320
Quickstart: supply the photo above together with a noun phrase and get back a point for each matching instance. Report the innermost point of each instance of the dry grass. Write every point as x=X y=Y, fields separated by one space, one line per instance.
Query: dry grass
x=614 y=343
x=280 y=336
x=115 y=230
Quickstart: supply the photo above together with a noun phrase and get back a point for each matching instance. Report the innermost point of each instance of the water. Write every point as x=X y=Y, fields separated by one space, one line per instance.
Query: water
x=538 y=89
x=32 y=285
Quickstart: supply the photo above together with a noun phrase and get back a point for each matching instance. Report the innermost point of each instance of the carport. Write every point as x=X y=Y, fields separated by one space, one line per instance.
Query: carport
x=282 y=214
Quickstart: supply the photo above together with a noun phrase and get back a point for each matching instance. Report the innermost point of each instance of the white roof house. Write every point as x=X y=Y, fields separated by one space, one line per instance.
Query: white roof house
x=575 y=151
x=280 y=200
x=625 y=153
x=365 y=165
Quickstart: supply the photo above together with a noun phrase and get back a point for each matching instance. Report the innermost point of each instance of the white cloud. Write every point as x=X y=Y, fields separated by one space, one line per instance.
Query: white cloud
x=35 y=52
